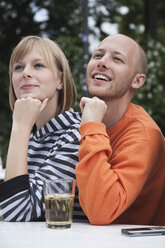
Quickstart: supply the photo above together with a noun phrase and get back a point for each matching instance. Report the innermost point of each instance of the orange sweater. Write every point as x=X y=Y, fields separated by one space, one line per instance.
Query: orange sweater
x=121 y=173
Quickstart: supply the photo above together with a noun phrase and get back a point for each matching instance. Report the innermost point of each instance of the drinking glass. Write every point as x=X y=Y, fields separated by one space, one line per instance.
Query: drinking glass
x=59 y=198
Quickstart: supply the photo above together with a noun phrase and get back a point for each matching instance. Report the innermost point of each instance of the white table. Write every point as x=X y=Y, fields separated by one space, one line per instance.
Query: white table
x=36 y=234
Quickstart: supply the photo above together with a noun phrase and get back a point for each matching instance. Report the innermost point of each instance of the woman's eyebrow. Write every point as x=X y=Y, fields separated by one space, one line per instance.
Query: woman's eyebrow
x=33 y=60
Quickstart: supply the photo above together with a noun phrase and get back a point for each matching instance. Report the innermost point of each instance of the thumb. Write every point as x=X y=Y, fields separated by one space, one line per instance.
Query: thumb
x=43 y=104
x=83 y=101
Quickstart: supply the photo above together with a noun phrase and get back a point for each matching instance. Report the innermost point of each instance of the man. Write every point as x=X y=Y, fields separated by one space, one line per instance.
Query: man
x=121 y=172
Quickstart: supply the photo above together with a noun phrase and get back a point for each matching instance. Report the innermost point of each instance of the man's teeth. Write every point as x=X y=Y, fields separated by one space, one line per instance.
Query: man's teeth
x=101 y=77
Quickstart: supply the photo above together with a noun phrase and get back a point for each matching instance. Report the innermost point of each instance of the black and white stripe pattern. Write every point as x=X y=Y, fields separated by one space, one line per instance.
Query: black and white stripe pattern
x=53 y=153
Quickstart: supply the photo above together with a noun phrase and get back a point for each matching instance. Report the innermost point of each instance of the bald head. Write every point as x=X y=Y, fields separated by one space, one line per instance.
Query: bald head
x=136 y=51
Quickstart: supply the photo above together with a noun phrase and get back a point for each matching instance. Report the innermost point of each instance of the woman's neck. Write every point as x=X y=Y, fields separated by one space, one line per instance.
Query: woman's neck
x=48 y=113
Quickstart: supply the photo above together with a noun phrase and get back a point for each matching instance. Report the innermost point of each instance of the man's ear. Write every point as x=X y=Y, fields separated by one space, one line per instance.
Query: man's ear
x=138 y=81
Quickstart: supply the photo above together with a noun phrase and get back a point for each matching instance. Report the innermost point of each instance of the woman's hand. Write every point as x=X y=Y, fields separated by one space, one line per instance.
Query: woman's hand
x=27 y=110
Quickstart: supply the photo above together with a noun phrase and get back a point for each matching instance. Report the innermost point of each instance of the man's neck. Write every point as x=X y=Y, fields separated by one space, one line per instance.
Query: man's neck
x=116 y=109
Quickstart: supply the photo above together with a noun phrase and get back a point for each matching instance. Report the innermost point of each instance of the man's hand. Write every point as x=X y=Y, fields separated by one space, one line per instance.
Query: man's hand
x=93 y=109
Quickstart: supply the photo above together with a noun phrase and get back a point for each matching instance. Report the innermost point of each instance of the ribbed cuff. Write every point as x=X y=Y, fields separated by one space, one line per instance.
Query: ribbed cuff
x=92 y=127
x=13 y=186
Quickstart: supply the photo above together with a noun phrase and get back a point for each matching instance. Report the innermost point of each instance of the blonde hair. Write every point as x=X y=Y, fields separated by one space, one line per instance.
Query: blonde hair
x=54 y=57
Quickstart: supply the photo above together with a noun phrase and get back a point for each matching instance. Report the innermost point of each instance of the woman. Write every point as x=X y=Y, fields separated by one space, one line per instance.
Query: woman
x=44 y=137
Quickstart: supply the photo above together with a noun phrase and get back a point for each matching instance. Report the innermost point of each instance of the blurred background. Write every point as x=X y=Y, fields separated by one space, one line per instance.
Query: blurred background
x=78 y=25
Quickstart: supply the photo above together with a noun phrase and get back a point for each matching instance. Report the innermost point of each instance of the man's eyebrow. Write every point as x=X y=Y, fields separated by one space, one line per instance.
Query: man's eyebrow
x=99 y=50
x=113 y=52
x=119 y=53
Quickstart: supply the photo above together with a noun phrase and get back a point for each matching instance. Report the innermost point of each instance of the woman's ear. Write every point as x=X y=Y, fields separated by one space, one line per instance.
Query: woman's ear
x=138 y=81
x=60 y=84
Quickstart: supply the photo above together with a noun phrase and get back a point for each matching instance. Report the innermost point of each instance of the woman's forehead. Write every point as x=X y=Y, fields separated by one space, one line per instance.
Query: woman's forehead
x=36 y=51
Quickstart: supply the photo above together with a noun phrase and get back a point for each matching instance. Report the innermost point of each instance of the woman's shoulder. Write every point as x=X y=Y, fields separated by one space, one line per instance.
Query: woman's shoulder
x=69 y=118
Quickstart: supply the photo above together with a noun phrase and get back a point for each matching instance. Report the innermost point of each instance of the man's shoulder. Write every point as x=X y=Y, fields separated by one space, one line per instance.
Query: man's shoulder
x=139 y=120
x=137 y=113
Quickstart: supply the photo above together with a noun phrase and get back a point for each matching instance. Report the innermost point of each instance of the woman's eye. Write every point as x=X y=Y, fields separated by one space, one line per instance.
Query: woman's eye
x=38 y=65
x=18 y=67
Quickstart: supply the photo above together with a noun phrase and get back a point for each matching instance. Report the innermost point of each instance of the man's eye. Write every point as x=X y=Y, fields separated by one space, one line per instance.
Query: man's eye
x=97 y=55
x=118 y=59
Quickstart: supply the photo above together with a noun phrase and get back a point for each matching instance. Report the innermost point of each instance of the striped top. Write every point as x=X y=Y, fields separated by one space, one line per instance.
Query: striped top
x=52 y=154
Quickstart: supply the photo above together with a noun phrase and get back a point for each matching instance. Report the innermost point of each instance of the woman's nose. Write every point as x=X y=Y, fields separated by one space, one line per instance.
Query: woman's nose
x=27 y=72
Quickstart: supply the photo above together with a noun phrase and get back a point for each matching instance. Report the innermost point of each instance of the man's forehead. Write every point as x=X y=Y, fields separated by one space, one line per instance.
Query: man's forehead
x=119 y=39
x=119 y=43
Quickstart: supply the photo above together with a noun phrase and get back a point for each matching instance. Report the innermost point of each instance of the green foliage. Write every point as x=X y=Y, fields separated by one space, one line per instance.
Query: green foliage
x=152 y=95
x=71 y=48
x=64 y=23
x=131 y=17
x=16 y=21
x=5 y=114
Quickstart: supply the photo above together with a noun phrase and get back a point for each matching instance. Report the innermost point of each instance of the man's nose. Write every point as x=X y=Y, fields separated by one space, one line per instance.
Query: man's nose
x=103 y=63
